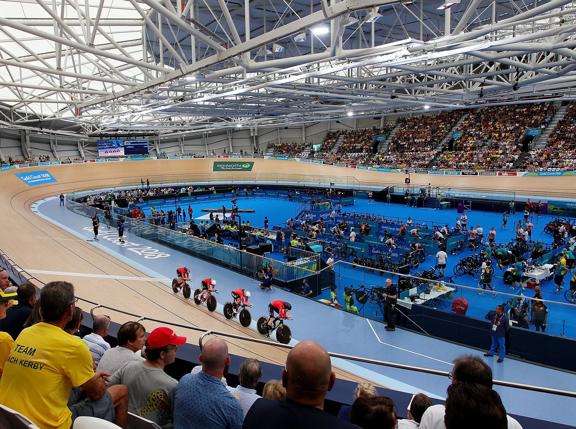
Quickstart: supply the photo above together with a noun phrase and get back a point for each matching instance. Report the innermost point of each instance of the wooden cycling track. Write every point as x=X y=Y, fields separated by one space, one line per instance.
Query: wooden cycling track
x=35 y=243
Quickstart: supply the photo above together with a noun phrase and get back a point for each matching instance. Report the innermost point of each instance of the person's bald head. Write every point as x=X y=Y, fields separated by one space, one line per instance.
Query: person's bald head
x=214 y=355
x=101 y=324
x=308 y=375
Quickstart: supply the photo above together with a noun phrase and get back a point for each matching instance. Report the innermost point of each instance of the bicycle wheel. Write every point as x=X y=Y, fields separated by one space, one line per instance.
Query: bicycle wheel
x=459 y=270
x=245 y=318
x=228 y=310
x=211 y=303
x=569 y=295
x=283 y=334
x=175 y=285
x=197 y=299
x=186 y=290
x=262 y=325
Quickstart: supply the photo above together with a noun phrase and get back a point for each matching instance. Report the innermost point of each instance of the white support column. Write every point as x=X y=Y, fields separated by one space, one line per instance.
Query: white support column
x=192 y=37
x=229 y=133
x=303 y=133
x=247 y=19
x=447 y=16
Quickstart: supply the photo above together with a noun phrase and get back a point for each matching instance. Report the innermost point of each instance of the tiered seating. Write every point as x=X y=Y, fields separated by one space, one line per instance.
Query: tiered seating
x=560 y=150
x=417 y=141
x=288 y=149
x=490 y=136
x=356 y=145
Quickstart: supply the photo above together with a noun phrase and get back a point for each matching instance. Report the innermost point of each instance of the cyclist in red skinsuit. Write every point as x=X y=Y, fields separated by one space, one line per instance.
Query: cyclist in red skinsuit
x=241 y=297
x=207 y=284
x=280 y=307
x=183 y=275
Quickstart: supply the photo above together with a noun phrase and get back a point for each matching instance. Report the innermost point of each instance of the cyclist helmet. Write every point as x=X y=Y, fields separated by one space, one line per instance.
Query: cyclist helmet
x=247 y=294
x=287 y=306
x=213 y=282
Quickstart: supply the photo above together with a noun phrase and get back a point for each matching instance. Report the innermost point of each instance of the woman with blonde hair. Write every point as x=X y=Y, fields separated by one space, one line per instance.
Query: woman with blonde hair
x=364 y=389
x=274 y=390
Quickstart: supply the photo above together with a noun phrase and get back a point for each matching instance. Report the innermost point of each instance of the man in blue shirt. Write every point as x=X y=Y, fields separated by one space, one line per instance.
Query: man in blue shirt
x=201 y=400
x=498 y=328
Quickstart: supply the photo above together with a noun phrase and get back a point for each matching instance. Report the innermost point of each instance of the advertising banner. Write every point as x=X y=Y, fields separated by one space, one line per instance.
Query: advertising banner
x=35 y=178
x=232 y=166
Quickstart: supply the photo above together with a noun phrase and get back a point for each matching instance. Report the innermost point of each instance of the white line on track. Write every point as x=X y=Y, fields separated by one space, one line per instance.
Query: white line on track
x=100 y=276
x=403 y=349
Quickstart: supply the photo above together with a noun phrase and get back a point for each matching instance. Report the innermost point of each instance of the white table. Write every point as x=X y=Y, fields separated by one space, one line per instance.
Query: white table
x=424 y=297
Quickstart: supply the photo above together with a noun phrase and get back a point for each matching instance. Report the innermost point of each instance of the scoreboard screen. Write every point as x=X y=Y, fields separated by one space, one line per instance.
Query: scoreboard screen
x=119 y=148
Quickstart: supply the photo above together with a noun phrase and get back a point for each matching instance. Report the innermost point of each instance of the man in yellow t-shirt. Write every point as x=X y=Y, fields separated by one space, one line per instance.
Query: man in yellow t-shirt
x=6 y=341
x=46 y=362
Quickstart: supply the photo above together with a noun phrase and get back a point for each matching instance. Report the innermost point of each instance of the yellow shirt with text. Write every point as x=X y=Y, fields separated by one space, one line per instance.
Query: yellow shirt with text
x=43 y=366
x=6 y=343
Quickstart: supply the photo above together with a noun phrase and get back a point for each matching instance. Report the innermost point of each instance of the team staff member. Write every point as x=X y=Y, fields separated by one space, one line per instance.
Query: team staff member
x=441 y=260
x=499 y=327
x=95 y=225
x=280 y=307
x=486 y=276
x=391 y=297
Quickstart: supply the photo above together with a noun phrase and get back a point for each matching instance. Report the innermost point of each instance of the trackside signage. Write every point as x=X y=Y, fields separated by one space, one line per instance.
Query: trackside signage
x=232 y=166
x=34 y=178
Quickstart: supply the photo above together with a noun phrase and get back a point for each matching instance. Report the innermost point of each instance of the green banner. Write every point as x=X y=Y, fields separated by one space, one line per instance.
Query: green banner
x=232 y=166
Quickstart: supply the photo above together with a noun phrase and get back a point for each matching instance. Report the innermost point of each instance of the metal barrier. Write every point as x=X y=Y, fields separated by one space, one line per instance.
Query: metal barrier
x=20 y=273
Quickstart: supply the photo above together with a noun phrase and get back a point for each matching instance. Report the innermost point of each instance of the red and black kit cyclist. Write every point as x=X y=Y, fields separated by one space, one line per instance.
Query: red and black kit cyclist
x=280 y=307
x=241 y=297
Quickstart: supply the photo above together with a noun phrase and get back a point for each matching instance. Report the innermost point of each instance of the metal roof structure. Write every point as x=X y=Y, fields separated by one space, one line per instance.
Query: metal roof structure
x=168 y=67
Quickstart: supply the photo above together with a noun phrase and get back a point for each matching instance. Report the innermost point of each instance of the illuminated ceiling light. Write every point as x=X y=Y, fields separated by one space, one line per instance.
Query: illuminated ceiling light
x=426 y=107
x=190 y=78
x=350 y=113
x=320 y=30
x=238 y=125
x=448 y=4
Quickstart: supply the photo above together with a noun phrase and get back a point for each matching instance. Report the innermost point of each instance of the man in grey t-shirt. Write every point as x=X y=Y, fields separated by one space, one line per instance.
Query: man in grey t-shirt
x=130 y=342
x=150 y=389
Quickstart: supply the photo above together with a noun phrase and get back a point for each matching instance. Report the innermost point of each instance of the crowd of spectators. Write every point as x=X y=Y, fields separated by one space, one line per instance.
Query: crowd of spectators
x=490 y=138
x=560 y=150
x=50 y=376
x=356 y=146
x=417 y=140
x=288 y=149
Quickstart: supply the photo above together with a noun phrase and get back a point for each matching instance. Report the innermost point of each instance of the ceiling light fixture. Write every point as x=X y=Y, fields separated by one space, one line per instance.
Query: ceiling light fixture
x=350 y=113
x=448 y=4
x=426 y=107
x=320 y=30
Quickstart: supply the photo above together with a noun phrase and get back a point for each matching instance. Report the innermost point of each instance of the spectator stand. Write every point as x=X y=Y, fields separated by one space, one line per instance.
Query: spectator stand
x=343 y=390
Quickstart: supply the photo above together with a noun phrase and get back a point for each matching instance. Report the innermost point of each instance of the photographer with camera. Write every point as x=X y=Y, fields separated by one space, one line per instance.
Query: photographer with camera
x=390 y=296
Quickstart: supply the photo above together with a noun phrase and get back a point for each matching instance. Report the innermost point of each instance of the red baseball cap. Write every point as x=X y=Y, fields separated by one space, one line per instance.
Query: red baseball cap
x=162 y=337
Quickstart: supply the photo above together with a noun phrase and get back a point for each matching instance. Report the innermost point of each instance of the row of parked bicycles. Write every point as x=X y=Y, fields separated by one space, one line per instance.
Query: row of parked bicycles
x=233 y=309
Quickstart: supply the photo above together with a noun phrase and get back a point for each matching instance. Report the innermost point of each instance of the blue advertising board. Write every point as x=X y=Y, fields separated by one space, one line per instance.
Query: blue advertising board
x=34 y=178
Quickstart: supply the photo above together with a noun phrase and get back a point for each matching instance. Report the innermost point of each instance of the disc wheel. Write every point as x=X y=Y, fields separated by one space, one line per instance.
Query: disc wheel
x=283 y=334
x=186 y=291
x=262 y=325
x=228 y=310
x=197 y=293
x=211 y=303
x=245 y=318
x=175 y=285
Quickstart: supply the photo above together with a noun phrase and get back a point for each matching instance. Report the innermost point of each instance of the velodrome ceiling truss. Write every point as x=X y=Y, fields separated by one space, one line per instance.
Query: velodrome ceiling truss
x=180 y=66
